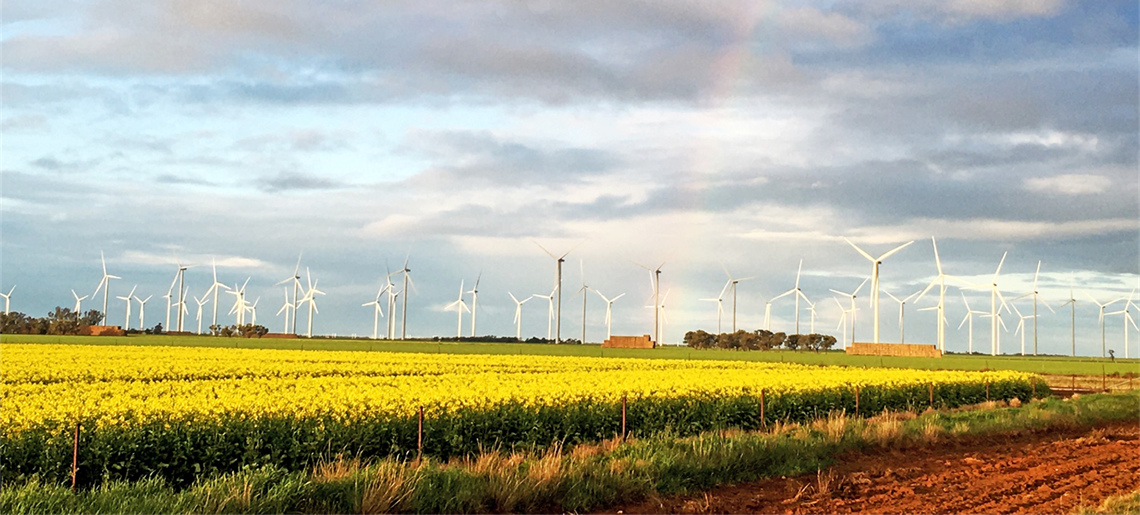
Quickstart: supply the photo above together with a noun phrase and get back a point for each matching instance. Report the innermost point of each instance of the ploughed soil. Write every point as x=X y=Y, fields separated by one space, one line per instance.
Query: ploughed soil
x=1041 y=472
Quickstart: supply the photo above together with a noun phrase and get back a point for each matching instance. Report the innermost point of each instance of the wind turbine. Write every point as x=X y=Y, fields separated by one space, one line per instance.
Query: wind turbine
x=558 y=260
x=376 y=311
x=655 y=285
x=201 y=302
x=392 y=296
x=940 y=281
x=8 y=296
x=474 y=301
x=902 y=307
x=1072 y=303
x=609 y=311
x=78 y=302
x=169 y=302
x=310 y=297
x=1100 y=318
x=767 y=314
x=550 y=310
x=295 y=279
x=104 y=284
x=286 y=307
x=128 y=299
x=875 y=262
x=1034 y=293
x=518 y=314
x=719 y=300
x=252 y=308
x=732 y=283
x=852 y=296
x=995 y=309
x=660 y=308
x=460 y=306
x=811 y=309
x=142 y=310
x=213 y=289
x=1020 y=326
x=1126 y=318
x=407 y=281
x=181 y=276
x=842 y=322
x=584 y=290
x=240 y=304
x=797 y=293
x=969 y=318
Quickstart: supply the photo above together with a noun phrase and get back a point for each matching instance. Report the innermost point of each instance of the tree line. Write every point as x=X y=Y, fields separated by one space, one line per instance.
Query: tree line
x=759 y=339
x=60 y=321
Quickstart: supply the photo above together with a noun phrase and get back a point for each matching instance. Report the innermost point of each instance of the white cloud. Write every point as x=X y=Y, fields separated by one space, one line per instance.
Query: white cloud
x=1070 y=184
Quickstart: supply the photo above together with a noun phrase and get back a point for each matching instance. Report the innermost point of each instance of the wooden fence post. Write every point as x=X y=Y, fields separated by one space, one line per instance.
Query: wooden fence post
x=931 y=386
x=623 y=411
x=420 y=434
x=75 y=458
x=1073 y=385
x=1103 y=379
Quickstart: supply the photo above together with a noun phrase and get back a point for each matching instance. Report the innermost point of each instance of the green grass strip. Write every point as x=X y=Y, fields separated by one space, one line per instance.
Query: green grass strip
x=587 y=477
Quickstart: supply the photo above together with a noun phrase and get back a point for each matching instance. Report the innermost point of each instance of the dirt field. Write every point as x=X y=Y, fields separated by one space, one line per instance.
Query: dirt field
x=1028 y=473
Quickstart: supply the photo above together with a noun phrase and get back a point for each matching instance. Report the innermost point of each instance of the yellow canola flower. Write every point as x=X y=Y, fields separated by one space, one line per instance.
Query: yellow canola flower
x=45 y=386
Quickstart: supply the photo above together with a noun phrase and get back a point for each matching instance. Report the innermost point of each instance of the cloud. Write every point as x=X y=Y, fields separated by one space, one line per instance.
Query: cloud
x=169 y=178
x=296 y=181
x=1069 y=184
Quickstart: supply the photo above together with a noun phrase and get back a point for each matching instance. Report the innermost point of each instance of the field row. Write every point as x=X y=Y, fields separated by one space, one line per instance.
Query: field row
x=178 y=412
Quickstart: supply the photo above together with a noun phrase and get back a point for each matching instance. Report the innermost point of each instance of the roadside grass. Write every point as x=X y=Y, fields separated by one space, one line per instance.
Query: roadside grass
x=1053 y=365
x=1115 y=505
x=585 y=477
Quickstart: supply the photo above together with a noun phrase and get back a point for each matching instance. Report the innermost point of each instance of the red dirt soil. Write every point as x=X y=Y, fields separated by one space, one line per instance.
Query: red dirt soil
x=1045 y=472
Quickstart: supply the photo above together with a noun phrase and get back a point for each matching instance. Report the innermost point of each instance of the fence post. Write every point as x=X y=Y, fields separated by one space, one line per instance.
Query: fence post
x=1103 y=379
x=856 y=400
x=623 y=416
x=987 y=390
x=420 y=434
x=75 y=458
x=931 y=387
x=1073 y=385
x=763 y=419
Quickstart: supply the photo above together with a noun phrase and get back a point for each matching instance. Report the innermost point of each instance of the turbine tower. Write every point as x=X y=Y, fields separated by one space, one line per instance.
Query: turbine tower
x=1072 y=303
x=1126 y=318
x=842 y=322
x=128 y=299
x=8 y=296
x=376 y=311
x=609 y=311
x=719 y=300
x=558 y=260
x=875 y=262
x=902 y=308
x=969 y=318
x=655 y=285
x=200 y=302
x=104 y=284
x=940 y=281
x=407 y=282
x=584 y=290
x=660 y=308
x=295 y=280
x=474 y=291
x=142 y=310
x=286 y=307
x=852 y=296
x=797 y=293
x=732 y=283
x=213 y=289
x=549 y=311
x=310 y=297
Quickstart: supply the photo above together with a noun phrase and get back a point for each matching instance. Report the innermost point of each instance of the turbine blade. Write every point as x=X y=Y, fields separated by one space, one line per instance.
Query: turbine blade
x=859 y=250
x=894 y=250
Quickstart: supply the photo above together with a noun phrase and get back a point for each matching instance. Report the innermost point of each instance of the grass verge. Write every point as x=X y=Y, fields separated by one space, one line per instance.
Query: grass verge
x=585 y=477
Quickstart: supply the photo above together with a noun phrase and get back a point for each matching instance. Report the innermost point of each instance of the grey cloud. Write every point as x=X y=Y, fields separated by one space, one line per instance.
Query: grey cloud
x=296 y=181
x=169 y=178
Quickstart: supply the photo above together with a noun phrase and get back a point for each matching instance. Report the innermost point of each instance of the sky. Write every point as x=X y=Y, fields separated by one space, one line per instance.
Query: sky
x=707 y=136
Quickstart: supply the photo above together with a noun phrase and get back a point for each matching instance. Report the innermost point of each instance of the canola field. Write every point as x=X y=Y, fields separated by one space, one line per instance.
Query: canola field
x=181 y=413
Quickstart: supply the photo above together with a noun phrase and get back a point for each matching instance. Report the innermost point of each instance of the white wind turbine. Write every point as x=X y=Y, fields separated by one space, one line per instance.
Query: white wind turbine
x=8 y=298
x=1035 y=295
x=1126 y=318
x=732 y=283
x=310 y=297
x=1100 y=318
x=213 y=289
x=180 y=277
x=969 y=318
x=558 y=260
x=1072 y=303
x=252 y=308
x=518 y=314
x=902 y=309
x=240 y=304
x=609 y=311
x=474 y=291
x=767 y=313
x=549 y=311
x=655 y=287
x=1020 y=326
x=584 y=290
x=995 y=309
x=285 y=308
x=719 y=300
x=295 y=280
x=142 y=310
x=392 y=296
x=875 y=262
x=127 y=300
x=376 y=311
x=811 y=309
x=200 y=302
x=404 y=292
x=169 y=302
x=940 y=281
x=842 y=322
x=660 y=308
x=182 y=309
x=78 y=303
x=852 y=296
x=459 y=306
x=104 y=284
x=797 y=293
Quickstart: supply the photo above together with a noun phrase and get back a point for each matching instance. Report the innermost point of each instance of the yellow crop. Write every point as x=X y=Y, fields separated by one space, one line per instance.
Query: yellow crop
x=50 y=386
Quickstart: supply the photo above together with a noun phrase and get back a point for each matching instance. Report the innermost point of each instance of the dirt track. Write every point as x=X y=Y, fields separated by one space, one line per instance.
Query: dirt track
x=1029 y=473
